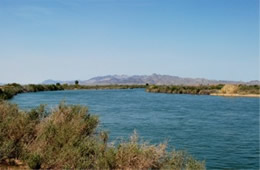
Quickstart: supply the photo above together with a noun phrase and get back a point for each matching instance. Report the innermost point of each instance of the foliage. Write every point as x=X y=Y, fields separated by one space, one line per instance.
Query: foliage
x=240 y=89
x=206 y=89
x=229 y=89
x=34 y=161
x=67 y=138
x=250 y=89
x=10 y=90
x=180 y=89
x=17 y=128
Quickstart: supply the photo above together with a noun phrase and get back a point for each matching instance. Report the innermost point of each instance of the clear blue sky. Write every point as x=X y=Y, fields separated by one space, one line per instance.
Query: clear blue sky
x=79 y=39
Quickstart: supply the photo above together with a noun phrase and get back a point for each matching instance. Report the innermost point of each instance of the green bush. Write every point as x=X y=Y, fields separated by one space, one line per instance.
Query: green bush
x=67 y=137
x=249 y=89
x=17 y=129
x=34 y=161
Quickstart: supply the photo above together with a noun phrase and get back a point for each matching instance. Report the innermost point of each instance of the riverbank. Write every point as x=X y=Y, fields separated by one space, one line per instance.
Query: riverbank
x=235 y=95
x=214 y=90
x=180 y=89
x=10 y=90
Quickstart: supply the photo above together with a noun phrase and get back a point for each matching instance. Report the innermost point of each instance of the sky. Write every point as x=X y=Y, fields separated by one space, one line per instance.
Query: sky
x=80 y=39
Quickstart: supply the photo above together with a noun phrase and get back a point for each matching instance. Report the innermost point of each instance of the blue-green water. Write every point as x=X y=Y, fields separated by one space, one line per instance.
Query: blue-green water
x=222 y=131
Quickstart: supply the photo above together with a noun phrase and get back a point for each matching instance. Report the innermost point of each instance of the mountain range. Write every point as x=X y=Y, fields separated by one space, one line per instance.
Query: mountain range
x=149 y=79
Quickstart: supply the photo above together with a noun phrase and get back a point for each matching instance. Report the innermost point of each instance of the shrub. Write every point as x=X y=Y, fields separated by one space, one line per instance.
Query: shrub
x=63 y=136
x=34 y=161
x=17 y=129
x=229 y=89
x=66 y=137
x=249 y=89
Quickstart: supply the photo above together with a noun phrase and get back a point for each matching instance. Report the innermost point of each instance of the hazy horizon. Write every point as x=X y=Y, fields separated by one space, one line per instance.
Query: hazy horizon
x=143 y=75
x=81 y=39
x=67 y=80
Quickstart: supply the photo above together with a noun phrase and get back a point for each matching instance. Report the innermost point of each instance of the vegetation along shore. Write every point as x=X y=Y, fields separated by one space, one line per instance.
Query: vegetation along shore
x=217 y=90
x=9 y=90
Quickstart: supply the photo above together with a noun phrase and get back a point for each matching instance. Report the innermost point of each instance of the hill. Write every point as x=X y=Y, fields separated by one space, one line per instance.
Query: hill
x=150 y=79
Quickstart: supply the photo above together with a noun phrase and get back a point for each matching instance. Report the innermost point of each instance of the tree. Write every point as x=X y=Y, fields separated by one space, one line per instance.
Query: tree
x=76 y=82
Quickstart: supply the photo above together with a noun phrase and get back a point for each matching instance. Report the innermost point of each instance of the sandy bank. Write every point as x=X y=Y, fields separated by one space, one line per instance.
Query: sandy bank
x=235 y=95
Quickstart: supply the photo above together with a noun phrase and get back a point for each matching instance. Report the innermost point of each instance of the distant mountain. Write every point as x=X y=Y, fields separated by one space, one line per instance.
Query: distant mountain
x=150 y=79
x=253 y=82
x=50 y=81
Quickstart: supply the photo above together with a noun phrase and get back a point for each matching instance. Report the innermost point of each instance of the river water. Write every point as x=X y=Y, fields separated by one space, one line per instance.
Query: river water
x=220 y=130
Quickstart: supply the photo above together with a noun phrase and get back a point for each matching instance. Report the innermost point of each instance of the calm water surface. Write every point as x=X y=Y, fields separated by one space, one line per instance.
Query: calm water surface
x=222 y=131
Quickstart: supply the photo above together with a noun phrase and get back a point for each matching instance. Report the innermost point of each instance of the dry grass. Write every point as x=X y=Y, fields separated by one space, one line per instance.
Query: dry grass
x=229 y=89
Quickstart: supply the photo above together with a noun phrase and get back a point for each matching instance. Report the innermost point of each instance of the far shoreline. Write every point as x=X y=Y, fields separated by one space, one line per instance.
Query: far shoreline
x=236 y=95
